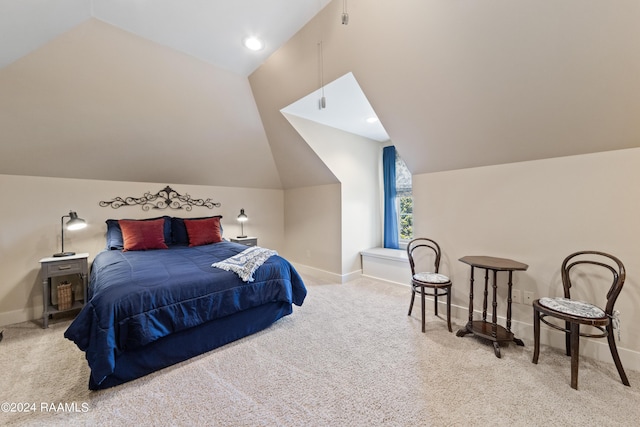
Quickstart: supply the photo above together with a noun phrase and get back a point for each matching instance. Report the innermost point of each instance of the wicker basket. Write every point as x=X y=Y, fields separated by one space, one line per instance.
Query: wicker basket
x=65 y=296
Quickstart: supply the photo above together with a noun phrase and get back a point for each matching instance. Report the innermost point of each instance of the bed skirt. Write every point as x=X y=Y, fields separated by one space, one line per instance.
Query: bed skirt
x=191 y=342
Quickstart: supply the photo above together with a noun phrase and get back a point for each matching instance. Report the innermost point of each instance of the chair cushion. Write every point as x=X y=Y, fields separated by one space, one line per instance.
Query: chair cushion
x=431 y=277
x=572 y=307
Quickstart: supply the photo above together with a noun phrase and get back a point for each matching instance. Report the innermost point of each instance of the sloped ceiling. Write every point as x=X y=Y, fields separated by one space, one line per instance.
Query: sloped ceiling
x=461 y=84
x=210 y=30
x=350 y=110
x=135 y=90
x=100 y=103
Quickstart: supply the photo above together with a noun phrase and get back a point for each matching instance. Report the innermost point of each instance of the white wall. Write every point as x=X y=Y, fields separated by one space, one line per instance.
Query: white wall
x=355 y=161
x=30 y=216
x=538 y=213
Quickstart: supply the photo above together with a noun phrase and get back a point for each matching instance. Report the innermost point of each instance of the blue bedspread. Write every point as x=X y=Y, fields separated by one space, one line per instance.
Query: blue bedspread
x=138 y=297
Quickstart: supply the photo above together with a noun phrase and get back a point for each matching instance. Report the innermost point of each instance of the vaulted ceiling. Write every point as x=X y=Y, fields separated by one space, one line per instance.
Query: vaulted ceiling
x=461 y=84
x=134 y=90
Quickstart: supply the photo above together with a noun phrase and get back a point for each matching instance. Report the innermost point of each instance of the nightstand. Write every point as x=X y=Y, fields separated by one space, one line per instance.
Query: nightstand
x=248 y=241
x=62 y=266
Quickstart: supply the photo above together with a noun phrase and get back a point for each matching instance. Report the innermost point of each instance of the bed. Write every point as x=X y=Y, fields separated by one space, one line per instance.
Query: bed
x=152 y=308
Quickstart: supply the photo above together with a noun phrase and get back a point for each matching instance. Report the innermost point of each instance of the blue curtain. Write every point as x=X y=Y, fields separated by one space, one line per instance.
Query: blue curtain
x=390 y=211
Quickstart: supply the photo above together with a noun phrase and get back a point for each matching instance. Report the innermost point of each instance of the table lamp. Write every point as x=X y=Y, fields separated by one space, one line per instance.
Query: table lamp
x=242 y=218
x=74 y=223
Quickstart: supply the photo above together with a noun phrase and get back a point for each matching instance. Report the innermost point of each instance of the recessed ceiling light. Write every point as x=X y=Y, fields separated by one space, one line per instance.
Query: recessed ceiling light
x=372 y=119
x=253 y=43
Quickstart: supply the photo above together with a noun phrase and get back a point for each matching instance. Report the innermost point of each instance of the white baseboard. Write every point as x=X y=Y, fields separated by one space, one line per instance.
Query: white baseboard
x=327 y=275
x=19 y=316
x=393 y=282
x=351 y=276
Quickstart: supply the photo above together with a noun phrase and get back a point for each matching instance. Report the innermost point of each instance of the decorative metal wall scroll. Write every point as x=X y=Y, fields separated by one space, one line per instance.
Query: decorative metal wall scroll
x=165 y=198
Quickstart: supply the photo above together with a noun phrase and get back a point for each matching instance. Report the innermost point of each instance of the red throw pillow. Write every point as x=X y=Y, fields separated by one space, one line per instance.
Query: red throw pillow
x=143 y=235
x=203 y=231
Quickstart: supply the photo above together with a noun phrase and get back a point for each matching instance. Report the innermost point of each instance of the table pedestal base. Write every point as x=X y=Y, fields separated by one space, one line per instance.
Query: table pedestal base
x=491 y=332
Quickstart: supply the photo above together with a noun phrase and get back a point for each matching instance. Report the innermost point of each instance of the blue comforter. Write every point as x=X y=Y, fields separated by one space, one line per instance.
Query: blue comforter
x=139 y=297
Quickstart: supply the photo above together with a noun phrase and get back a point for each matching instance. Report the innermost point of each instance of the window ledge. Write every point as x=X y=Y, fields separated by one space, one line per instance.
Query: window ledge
x=391 y=265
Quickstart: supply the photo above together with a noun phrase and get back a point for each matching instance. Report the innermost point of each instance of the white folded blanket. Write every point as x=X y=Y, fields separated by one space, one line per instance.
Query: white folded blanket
x=246 y=262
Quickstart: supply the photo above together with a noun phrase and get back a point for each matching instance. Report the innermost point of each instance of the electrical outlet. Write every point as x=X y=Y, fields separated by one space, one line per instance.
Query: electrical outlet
x=516 y=296
x=528 y=298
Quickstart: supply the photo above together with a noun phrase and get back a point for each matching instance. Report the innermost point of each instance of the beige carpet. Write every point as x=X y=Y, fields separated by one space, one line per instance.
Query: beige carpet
x=350 y=356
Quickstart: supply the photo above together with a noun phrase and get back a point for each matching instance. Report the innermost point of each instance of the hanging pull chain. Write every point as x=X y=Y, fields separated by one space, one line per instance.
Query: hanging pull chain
x=345 y=14
x=322 y=102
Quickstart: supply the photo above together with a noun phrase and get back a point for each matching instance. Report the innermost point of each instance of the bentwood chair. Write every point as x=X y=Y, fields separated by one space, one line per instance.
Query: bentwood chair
x=430 y=283
x=582 y=265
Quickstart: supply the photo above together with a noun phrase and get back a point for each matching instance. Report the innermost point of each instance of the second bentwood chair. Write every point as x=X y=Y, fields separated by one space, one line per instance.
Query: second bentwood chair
x=575 y=313
x=437 y=284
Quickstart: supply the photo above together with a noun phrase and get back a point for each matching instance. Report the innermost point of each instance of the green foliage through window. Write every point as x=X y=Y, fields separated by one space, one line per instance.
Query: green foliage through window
x=404 y=199
x=406 y=217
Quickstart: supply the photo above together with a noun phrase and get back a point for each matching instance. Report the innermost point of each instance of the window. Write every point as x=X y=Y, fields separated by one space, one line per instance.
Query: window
x=404 y=200
x=398 y=200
